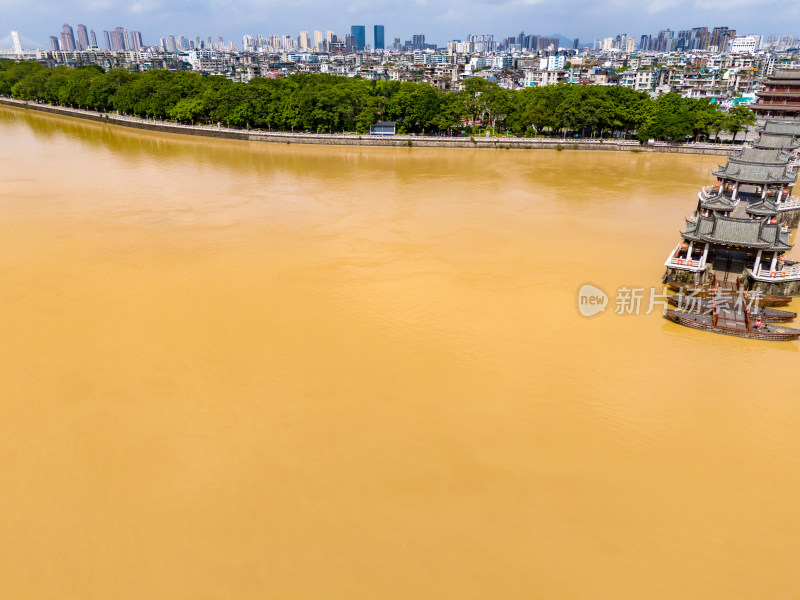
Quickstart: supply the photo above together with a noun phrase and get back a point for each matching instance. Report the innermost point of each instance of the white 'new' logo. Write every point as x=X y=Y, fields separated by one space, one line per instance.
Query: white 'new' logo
x=591 y=300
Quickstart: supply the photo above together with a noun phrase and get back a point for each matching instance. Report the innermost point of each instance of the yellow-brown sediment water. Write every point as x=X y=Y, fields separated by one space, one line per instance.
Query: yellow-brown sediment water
x=243 y=370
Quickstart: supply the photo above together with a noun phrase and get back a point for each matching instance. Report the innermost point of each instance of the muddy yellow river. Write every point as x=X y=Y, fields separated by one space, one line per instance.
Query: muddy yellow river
x=242 y=370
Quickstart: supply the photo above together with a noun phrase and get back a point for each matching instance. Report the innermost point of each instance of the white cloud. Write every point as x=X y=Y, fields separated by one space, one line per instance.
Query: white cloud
x=140 y=7
x=662 y=5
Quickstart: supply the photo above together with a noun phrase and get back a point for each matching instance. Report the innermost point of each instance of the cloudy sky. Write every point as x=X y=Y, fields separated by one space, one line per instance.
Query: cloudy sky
x=439 y=20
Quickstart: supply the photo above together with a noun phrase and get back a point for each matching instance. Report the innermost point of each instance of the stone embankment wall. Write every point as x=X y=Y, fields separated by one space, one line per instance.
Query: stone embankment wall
x=680 y=276
x=346 y=139
x=777 y=288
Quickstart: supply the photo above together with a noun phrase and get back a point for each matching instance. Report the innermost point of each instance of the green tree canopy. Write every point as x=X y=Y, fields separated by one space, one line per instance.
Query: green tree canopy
x=322 y=102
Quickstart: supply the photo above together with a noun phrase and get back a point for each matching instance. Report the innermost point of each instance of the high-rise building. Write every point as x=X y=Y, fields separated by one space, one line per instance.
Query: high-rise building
x=117 y=41
x=418 y=42
x=67 y=38
x=699 y=38
x=171 y=45
x=54 y=43
x=83 y=37
x=663 y=42
x=359 y=33
x=93 y=38
x=745 y=44
x=303 y=41
x=122 y=34
x=318 y=41
x=136 y=40
x=378 y=37
x=107 y=40
x=720 y=37
x=546 y=43
x=480 y=43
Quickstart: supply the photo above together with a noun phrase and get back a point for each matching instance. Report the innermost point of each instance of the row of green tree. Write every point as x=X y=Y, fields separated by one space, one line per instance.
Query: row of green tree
x=328 y=103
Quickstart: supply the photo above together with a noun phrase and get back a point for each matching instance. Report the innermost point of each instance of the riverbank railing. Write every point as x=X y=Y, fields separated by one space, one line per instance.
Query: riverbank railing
x=394 y=140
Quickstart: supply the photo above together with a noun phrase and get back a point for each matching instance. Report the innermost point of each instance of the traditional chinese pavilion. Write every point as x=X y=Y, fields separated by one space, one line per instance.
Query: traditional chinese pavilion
x=780 y=96
x=741 y=227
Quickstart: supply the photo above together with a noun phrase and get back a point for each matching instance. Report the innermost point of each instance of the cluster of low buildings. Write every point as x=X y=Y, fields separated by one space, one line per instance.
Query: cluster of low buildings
x=689 y=62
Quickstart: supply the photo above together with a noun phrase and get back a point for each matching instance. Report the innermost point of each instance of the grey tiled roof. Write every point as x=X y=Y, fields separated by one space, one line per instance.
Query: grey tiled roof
x=719 y=202
x=761 y=156
x=736 y=231
x=771 y=140
x=755 y=173
x=753 y=233
x=782 y=127
x=705 y=225
x=762 y=207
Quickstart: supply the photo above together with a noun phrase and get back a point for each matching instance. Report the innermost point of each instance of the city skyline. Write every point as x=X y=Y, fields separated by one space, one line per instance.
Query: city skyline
x=434 y=18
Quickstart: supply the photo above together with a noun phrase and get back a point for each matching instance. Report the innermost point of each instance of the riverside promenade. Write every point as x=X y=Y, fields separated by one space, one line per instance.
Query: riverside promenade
x=351 y=139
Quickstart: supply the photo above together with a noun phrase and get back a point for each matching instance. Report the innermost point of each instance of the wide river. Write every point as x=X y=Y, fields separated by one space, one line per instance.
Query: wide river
x=246 y=370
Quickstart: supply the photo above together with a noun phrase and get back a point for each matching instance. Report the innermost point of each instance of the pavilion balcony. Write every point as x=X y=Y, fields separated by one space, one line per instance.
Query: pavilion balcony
x=778 y=105
x=788 y=93
x=712 y=191
x=695 y=264
x=791 y=203
x=789 y=273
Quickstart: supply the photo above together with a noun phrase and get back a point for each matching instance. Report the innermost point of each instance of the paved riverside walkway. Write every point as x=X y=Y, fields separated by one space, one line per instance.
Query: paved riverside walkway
x=337 y=138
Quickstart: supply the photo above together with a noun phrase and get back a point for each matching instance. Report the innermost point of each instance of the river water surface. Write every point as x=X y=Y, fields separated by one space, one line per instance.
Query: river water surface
x=244 y=370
